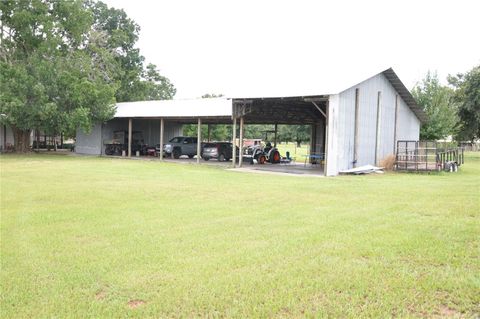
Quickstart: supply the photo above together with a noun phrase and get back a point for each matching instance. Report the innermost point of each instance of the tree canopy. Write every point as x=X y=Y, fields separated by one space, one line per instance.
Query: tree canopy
x=63 y=64
x=467 y=97
x=436 y=101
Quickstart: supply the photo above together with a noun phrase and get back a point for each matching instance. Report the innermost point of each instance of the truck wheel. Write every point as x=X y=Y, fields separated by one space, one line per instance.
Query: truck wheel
x=221 y=158
x=176 y=153
x=205 y=158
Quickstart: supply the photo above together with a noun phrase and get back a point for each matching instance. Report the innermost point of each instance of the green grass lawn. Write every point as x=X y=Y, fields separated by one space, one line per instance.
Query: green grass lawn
x=100 y=237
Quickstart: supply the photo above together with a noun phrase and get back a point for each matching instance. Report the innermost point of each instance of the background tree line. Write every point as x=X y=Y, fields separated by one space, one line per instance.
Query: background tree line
x=64 y=65
x=453 y=110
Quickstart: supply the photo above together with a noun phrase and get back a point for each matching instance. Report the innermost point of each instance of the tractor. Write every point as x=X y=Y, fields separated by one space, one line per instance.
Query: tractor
x=262 y=155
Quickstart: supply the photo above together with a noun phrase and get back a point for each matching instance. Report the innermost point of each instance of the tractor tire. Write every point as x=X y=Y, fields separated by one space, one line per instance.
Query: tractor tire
x=176 y=153
x=262 y=159
x=275 y=157
x=108 y=150
x=117 y=150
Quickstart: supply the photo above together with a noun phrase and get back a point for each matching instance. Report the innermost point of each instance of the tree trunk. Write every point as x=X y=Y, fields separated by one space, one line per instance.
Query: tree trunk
x=21 y=139
x=38 y=140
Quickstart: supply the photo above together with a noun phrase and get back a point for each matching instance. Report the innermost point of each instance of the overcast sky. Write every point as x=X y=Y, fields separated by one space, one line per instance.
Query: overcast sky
x=277 y=48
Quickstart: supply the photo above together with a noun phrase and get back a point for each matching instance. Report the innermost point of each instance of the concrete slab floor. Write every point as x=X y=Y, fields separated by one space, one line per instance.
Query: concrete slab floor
x=297 y=169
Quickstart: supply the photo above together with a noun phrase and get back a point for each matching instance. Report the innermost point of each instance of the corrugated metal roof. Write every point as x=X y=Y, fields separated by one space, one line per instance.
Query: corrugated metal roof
x=405 y=94
x=210 y=107
x=222 y=107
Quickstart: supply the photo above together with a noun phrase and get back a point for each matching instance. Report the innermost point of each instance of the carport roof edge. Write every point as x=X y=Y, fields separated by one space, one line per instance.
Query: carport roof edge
x=187 y=108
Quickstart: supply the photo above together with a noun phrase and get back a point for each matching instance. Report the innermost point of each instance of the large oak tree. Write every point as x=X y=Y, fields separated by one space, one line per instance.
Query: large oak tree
x=63 y=64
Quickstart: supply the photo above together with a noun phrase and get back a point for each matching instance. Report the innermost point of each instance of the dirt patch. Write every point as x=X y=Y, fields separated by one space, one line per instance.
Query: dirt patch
x=135 y=303
x=447 y=312
x=100 y=295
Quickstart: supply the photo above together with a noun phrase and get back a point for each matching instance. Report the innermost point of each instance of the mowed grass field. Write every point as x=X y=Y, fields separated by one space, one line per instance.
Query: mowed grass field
x=111 y=238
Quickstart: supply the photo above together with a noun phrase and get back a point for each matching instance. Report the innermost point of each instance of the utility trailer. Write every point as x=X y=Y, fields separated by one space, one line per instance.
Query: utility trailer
x=427 y=156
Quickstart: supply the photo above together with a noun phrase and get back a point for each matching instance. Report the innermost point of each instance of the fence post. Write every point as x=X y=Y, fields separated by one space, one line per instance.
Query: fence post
x=415 y=153
x=426 y=156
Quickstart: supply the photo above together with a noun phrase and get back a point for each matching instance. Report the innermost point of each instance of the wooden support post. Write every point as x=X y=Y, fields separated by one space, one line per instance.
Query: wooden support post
x=313 y=141
x=199 y=139
x=275 y=136
x=129 y=137
x=234 y=140
x=377 y=135
x=162 y=128
x=356 y=137
x=240 y=153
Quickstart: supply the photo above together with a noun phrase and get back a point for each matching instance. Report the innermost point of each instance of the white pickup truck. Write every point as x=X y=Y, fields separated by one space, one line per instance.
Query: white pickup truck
x=178 y=146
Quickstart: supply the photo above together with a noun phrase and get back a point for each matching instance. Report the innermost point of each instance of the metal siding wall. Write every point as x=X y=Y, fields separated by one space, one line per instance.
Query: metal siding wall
x=346 y=129
x=93 y=143
x=149 y=128
x=9 y=136
x=387 y=123
x=408 y=123
x=89 y=143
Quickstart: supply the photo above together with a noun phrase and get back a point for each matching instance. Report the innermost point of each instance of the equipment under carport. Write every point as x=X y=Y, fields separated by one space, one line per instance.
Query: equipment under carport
x=261 y=155
x=119 y=143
